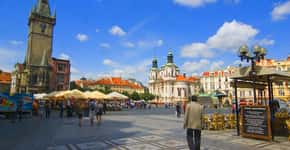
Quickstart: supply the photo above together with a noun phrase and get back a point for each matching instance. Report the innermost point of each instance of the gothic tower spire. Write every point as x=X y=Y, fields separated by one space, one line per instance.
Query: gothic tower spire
x=43 y=8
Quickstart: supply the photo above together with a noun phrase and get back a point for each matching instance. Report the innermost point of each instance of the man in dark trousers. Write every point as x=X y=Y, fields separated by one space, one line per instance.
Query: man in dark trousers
x=193 y=123
x=61 y=108
x=19 y=109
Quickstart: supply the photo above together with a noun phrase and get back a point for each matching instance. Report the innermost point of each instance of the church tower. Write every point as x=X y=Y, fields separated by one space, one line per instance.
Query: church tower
x=39 y=48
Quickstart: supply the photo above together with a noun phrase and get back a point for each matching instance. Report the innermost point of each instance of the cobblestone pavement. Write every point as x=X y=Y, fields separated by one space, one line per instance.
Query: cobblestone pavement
x=127 y=130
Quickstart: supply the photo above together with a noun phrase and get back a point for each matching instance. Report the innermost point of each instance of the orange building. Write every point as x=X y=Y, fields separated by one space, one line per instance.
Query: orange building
x=114 y=83
x=5 y=82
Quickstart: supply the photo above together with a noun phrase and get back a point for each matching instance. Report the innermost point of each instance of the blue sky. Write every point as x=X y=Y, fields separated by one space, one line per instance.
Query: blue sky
x=120 y=37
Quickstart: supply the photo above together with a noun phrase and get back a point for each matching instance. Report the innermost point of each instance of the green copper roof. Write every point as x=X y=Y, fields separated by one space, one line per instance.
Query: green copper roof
x=155 y=63
x=169 y=57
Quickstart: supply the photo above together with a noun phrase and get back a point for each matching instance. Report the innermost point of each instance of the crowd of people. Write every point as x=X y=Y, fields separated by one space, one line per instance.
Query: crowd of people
x=92 y=109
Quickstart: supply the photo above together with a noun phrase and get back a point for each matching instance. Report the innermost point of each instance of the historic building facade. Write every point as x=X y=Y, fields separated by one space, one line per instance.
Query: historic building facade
x=116 y=84
x=168 y=85
x=219 y=80
x=36 y=74
x=282 y=89
x=5 y=82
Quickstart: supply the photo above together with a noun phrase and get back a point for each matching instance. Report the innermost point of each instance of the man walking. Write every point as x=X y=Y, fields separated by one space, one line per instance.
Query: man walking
x=193 y=123
x=178 y=110
x=61 y=109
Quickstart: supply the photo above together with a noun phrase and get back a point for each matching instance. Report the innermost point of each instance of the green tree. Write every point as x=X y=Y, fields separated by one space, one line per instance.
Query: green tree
x=147 y=96
x=135 y=96
x=106 y=90
x=126 y=93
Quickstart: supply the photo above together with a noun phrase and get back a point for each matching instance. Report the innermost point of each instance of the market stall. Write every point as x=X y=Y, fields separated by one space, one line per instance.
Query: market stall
x=257 y=121
x=116 y=101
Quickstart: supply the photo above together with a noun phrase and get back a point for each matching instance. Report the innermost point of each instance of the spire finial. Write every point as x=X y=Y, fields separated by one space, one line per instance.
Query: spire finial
x=54 y=13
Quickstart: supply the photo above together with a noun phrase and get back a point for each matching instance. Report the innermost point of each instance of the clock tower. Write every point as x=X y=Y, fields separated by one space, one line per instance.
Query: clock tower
x=40 y=36
x=37 y=70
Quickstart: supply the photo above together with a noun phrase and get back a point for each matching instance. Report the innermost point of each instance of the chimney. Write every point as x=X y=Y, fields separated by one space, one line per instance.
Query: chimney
x=288 y=58
x=184 y=75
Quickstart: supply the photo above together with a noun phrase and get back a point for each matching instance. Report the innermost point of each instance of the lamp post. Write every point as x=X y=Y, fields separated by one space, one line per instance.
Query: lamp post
x=259 y=53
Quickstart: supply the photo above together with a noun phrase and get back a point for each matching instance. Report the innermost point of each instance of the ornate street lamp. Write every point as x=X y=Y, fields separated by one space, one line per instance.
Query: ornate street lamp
x=259 y=53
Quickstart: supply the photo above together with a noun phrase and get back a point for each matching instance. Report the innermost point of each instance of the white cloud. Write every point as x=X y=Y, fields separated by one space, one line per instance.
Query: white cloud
x=231 y=35
x=74 y=70
x=137 y=70
x=64 y=56
x=82 y=37
x=150 y=44
x=193 y=3
x=280 y=11
x=97 y=30
x=159 y=43
x=110 y=62
x=105 y=45
x=196 y=50
x=117 y=31
x=15 y=42
x=200 y=66
x=217 y=65
x=193 y=67
x=266 y=42
x=129 y=44
x=9 y=57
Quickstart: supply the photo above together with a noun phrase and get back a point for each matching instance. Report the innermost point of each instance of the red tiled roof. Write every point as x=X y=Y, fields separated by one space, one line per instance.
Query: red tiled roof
x=205 y=74
x=183 y=78
x=5 y=77
x=113 y=81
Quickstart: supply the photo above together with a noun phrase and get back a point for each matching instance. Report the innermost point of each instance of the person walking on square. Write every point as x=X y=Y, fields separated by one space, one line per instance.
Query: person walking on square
x=92 y=107
x=99 y=111
x=61 y=109
x=41 y=108
x=19 y=109
x=193 y=123
x=178 y=110
x=79 y=112
x=105 y=107
x=47 y=109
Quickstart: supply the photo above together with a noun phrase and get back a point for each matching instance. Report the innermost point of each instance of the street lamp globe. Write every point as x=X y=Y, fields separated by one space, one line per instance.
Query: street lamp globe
x=243 y=51
x=263 y=52
x=257 y=50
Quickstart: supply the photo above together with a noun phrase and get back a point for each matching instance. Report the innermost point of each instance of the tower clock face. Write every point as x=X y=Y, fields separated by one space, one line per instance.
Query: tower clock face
x=43 y=27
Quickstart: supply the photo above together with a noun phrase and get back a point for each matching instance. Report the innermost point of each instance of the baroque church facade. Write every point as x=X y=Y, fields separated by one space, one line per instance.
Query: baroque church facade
x=40 y=72
x=169 y=85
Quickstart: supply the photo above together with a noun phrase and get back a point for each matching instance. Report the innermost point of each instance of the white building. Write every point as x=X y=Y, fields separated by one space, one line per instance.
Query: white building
x=168 y=85
x=212 y=81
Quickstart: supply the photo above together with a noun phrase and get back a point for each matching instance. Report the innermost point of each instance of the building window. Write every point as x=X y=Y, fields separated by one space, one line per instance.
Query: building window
x=60 y=87
x=60 y=78
x=61 y=67
x=34 y=79
x=281 y=92
x=250 y=93
x=179 y=91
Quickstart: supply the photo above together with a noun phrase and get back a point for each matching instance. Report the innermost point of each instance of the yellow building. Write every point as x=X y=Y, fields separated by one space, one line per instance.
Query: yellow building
x=281 y=90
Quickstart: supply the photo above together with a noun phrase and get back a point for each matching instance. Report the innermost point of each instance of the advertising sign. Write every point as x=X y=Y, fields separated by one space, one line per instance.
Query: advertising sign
x=256 y=122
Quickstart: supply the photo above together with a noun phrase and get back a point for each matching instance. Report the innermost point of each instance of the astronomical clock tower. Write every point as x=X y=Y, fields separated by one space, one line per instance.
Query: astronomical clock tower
x=33 y=76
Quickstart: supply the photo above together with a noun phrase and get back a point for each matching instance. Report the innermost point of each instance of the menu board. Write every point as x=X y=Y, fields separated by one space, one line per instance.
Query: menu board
x=256 y=122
